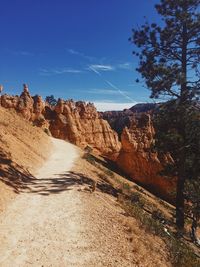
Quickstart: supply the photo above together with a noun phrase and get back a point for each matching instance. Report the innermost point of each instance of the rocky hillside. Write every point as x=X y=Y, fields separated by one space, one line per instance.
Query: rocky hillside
x=80 y=124
x=124 y=137
x=23 y=148
x=144 y=107
x=120 y=119
x=136 y=133
x=137 y=160
x=76 y=122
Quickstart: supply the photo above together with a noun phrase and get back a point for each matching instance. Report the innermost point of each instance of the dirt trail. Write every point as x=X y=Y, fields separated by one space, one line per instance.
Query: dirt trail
x=57 y=222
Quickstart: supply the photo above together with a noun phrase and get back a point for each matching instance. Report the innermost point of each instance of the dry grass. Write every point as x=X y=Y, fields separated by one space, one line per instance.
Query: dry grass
x=154 y=216
x=148 y=248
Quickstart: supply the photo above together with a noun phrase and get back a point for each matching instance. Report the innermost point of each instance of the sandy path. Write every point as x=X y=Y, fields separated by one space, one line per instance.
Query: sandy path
x=59 y=223
x=41 y=226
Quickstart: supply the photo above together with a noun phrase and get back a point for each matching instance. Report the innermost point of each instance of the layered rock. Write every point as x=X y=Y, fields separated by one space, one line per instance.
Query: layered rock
x=76 y=122
x=137 y=159
x=31 y=108
x=118 y=120
x=79 y=123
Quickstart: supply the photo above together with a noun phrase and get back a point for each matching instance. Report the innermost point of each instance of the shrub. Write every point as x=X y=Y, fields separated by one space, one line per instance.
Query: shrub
x=89 y=158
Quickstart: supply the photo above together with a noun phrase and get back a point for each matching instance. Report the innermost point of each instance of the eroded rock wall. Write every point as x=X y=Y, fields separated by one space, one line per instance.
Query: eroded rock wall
x=137 y=159
x=80 y=124
x=76 y=122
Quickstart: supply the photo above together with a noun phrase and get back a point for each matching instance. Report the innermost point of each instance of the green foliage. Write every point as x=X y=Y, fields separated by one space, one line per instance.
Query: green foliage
x=51 y=100
x=135 y=209
x=169 y=59
x=90 y=158
x=180 y=253
x=136 y=197
x=126 y=188
x=47 y=131
x=178 y=132
x=164 y=51
x=109 y=173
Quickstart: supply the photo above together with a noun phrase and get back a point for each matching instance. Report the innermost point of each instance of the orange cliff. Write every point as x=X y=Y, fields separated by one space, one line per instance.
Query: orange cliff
x=76 y=122
x=31 y=108
x=81 y=124
x=138 y=161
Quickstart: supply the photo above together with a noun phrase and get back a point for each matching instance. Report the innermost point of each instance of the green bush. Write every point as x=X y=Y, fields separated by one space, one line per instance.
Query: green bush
x=90 y=158
x=109 y=173
x=181 y=254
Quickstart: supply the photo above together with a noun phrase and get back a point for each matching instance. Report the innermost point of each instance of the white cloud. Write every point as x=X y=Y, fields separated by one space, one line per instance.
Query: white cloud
x=22 y=53
x=77 y=53
x=73 y=52
x=111 y=106
x=123 y=93
x=133 y=85
x=48 y=72
x=99 y=67
x=103 y=91
x=125 y=66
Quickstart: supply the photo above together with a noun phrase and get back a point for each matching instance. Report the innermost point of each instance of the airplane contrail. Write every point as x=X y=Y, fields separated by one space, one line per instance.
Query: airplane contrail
x=111 y=84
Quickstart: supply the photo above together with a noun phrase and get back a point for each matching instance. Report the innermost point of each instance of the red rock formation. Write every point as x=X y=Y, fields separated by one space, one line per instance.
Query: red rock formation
x=77 y=122
x=31 y=108
x=139 y=162
x=80 y=124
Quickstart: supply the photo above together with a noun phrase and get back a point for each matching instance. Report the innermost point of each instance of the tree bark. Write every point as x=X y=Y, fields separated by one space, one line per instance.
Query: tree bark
x=184 y=91
x=180 y=220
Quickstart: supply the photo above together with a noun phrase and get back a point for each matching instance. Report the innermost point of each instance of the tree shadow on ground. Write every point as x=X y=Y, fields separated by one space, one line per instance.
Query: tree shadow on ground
x=13 y=174
x=22 y=181
x=105 y=162
x=58 y=184
x=64 y=182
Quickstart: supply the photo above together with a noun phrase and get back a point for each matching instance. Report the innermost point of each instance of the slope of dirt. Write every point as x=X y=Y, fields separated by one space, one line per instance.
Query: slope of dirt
x=135 y=246
x=57 y=221
x=23 y=148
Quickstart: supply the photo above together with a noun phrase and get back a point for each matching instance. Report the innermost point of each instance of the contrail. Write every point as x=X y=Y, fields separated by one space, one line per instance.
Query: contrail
x=111 y=84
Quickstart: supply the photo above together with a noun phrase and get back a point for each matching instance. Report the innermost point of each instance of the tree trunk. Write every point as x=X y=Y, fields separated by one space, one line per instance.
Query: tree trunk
x=180 y=204
x=195 y=220
x=194 y=230
x=184 y=91
x=181 y=175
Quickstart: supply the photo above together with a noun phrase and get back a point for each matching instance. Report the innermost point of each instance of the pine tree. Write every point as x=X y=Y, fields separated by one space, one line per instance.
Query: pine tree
x=51 y=100
x=169 y=57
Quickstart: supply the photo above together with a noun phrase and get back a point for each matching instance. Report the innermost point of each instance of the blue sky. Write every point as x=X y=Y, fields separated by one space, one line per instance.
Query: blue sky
x=73 y=49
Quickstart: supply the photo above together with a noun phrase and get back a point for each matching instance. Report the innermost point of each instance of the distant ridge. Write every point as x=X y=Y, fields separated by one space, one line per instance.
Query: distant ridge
x=144 y=107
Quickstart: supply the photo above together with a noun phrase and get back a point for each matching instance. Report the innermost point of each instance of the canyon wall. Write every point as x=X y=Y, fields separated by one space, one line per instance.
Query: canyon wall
x=76 y=122
x=80 y=124
x=137 y=159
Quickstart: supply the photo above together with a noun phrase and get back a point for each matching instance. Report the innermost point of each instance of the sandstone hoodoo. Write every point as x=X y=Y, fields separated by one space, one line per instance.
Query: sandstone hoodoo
x=137 y=160
x=81 y=124
x=77 y=122
x=31 y=108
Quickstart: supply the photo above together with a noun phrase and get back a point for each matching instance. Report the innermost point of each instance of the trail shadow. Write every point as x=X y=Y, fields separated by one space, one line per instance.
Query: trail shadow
x=22 y=181
x=64 y=182
x=13 y=174
x=110 y=165
x=102 y=185
x=105 y=162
